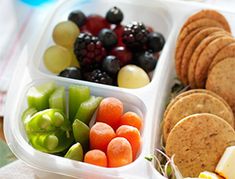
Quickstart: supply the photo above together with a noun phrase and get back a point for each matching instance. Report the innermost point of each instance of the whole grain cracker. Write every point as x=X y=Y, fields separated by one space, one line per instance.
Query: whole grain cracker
x=206 y=57
x=198 y=142
x=193 y=104
x=226 y=52
x=204 y=22
x=192 y=45
x=193 y=91
x=197 y=53
x=180 y=50
x=221 y=80
x=211 y=14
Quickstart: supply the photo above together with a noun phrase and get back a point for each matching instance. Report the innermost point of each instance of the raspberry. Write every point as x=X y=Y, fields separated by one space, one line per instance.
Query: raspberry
x=135 y=36
x=89 y=51
x=99 y=76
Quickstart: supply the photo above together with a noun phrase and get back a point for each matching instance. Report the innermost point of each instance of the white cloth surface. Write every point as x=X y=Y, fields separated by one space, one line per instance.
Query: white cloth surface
x=17 y=21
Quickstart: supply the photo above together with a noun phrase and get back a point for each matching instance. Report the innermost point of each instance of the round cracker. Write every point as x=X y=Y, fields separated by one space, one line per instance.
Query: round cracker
x=197 y=53
x=206 y=57
x=193 y=104
x=226 y=52
x=180 y=50
x=221 y=80
x=193 y=91
x=211 y=14
x=192 y=45
x=198 y=142
x=204 y=22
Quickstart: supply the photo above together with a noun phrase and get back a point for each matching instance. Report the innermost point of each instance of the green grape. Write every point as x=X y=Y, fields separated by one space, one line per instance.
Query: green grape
x=65 y=34
x=74 y=62
x=132 y=76
x=57 y=58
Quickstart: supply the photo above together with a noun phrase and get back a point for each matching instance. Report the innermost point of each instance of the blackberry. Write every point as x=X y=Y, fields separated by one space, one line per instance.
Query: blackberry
x=99 y=76
x=135 y=36
x=89 y=51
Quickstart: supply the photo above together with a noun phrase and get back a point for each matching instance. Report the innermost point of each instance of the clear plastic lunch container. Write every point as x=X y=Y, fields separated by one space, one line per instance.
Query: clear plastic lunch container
x=149 y=102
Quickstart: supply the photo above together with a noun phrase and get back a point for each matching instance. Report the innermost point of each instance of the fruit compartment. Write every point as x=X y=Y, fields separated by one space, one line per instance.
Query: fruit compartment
x=18 y=140
x=168 y=72
x=162 y=23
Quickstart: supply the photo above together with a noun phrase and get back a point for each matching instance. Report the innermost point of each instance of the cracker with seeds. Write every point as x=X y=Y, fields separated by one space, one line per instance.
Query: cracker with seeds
x=206 y=57
x=197 y=143
x=221 y=80
x=192 y=104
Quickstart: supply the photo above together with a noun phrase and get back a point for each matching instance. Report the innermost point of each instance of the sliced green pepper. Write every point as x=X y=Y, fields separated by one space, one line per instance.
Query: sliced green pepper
x=49 y=131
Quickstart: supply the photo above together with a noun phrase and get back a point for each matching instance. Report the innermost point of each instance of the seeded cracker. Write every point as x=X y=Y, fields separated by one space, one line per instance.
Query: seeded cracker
x=206 y=58
x=197 y=143
x=192 y=45
x=221 y=80
x=193 y=104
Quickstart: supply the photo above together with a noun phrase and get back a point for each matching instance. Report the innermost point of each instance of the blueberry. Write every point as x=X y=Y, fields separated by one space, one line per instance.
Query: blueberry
x=78 y=17
x=111 y=65
x=114 y=16
x=108 y=38
x=155 y=41
x=71 y=72
x=146 y=60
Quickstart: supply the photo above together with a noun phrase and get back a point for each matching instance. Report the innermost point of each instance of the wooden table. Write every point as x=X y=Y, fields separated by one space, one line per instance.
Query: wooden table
x=1 y=129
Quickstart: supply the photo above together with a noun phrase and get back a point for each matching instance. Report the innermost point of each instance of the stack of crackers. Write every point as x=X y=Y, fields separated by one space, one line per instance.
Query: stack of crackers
x=198 y=126
x=205 y=54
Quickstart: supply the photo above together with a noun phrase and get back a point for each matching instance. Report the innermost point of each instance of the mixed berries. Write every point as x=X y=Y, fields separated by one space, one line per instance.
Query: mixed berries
x=103 y=46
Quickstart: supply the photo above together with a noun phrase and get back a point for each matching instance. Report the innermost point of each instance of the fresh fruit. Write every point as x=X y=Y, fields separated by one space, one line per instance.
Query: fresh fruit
x=65 y=34
x=95 y=23
x=118 y=30
x=75 y=152
x=78 y=17
x=38 y=96
x=77 y=95
x=114 y=16
x=74 y=61
x=111 y=65
x=155 y=41
x=132 y=76
x=131 y=119
x=132 y=135
x=57 y=58
x=87 y=109
x=119 y=152
x=96 y=157
x=100 y=136
x=150 y=29
x=81 y=133
x=146 y=61
x=123 y=54
x=108 y=38
x=99 y=76
x=135 y=36
x=89 y=51
x=57 y=99
x=110 y=111
x=71 y=72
